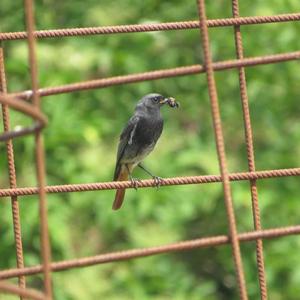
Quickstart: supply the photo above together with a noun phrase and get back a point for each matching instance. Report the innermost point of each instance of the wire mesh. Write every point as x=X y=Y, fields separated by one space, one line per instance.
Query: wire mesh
x=32 y=109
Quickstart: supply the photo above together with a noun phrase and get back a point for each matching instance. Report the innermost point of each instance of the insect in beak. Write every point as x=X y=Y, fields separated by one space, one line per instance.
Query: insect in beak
x=170 y=101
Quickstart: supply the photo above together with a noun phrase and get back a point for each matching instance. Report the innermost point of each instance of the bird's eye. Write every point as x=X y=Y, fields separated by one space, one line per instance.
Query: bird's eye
x=156 y=99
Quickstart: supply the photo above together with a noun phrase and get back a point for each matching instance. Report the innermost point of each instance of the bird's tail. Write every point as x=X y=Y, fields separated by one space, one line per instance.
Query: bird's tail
x=122 y=176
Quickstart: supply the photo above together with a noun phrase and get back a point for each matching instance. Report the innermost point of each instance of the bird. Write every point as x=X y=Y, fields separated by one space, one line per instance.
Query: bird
x=138 y=139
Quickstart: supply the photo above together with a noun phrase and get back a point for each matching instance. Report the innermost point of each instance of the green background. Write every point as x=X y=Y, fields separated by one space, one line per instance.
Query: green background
x=82 y=137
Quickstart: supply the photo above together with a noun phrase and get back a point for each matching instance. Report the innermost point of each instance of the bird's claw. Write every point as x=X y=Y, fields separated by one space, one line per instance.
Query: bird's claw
x=135 y=182
x=157 y=181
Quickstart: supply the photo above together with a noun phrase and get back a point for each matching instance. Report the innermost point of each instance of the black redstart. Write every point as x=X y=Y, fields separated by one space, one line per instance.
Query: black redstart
x=138 y=139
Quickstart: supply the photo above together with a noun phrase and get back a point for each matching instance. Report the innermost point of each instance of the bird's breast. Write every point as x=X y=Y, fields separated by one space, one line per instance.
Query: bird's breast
x=144 y=139
x=148 y=131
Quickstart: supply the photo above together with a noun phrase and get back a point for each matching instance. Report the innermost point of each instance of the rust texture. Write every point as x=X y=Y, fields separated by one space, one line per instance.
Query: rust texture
x=10 y=288
x=219 y=138
x=12 y=174
x=29 y=103
x=67 y=32
x=211 y=241
x=83 y=187
x=159 y=74
x=250 y=152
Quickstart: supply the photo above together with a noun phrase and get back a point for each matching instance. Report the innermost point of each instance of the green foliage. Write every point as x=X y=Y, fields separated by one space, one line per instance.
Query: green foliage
x=82 y=136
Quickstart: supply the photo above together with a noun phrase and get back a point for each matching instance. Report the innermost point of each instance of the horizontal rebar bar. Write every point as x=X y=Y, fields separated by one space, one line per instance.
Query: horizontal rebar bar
x=82 y=187
x=159 y=74
x=142 y=252
x=7 y=287
x=54 y=33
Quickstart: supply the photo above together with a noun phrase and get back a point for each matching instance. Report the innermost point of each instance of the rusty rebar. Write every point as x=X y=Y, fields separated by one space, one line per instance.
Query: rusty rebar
x=23 y=293
x=213 y=96
x=184 y=25
x=250 y=152
x=12 y=174
x=39 y=151
x=159 y=74
x=212 y=241
x=40 y=120
x=95 y=186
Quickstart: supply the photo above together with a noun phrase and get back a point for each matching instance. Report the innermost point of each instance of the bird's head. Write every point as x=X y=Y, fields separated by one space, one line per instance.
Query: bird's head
x=155 y=101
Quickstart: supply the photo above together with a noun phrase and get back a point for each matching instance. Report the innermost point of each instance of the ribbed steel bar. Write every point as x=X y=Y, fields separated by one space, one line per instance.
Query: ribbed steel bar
x=7 y=287
x=67 y=32
x=212 y=241
x=159 y=74
x=83 y=187
x=250 y=153
x=26 y=108
x=39 y=151
x=12 y=174
x=220 y=144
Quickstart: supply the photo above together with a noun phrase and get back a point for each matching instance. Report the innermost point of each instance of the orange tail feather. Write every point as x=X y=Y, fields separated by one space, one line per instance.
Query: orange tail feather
x=123 y=176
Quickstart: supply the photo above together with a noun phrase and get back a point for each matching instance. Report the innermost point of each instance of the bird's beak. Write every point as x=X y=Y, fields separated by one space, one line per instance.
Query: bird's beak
x=164 y=101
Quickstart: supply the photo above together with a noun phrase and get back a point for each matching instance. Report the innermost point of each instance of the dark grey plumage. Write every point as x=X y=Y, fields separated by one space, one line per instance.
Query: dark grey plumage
x=138 y=138
x=141 y=133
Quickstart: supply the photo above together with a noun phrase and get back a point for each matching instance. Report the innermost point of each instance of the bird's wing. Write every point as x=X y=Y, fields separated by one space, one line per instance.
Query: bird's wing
x=125 y=139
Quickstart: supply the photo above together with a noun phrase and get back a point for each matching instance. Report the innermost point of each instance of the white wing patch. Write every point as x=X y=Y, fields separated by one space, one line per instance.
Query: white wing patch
x=132 y=134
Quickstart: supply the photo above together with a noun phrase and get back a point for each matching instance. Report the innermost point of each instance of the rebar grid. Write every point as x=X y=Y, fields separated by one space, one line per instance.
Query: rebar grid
x=14 y=100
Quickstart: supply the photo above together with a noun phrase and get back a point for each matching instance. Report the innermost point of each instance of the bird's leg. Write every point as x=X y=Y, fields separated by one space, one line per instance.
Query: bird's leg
x=134 y=181
x=157 y=180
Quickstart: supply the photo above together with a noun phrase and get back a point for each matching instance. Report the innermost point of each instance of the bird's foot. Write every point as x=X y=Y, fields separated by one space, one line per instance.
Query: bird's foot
x=157 y=181
x=135 y=182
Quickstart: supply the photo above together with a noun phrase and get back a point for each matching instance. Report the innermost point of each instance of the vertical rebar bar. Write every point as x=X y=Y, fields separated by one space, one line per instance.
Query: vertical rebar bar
x=250 y=152
x=12 y=174
x=39 y=155
x=221 y=151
